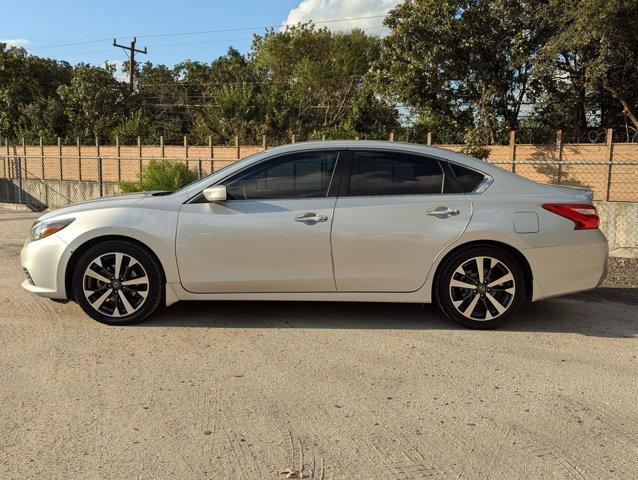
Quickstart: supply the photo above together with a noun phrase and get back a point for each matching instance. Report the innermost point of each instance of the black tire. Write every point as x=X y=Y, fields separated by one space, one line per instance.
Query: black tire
x=154 y=290
x=509 y=295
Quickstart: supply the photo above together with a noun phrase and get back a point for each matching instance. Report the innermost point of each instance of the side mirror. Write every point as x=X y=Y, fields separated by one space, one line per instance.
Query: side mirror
x=215 y=194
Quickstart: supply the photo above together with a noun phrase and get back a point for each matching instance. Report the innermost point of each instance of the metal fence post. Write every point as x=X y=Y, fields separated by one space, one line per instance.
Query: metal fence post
x=99 y=162
x=210 y=147
x=513 y=149
x=24 y=155
x=60 y=155
x=118 y=153
x=559 y=148
x=186 y=150
x=5 y=162
x=77 y=141
x=139 y=153
x=237 y=146
x=99 y=175
x=610 y=159
x=161 y=146
x=42 y=157
x=18 y=171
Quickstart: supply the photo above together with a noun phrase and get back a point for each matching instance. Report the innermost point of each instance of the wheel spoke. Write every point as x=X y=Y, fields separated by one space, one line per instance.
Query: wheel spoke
x=469 y=310
x=460 y=284
x=498 y=305
x=136 y=281
x=500 y=281
x=118 y=264
x=98 y=303
x=125 y=303
x=493 y=263
x=97 y=276
x=479 y=268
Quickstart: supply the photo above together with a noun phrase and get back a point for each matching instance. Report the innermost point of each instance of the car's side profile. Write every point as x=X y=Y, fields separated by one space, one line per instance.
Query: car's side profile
x=334 y=221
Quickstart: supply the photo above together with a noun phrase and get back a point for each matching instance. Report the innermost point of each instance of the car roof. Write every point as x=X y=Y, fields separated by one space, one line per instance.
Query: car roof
x=437 y=152
x=440 y=153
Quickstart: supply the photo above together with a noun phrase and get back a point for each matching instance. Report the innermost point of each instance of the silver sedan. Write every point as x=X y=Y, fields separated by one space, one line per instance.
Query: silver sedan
x=326 y=221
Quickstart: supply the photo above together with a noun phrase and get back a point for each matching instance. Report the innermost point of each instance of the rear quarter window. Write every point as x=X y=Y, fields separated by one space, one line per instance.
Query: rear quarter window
x=468 y=179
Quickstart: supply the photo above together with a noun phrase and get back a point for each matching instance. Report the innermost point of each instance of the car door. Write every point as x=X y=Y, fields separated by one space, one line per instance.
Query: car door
x=272 y=234
x=395 y=212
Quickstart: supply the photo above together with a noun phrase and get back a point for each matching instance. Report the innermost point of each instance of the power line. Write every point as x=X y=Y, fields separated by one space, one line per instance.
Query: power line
x=165 y=45
x=202 y=32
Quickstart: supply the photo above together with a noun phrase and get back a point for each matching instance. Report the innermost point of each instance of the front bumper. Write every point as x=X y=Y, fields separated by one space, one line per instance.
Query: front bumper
x=580 y=264
x=45 y=262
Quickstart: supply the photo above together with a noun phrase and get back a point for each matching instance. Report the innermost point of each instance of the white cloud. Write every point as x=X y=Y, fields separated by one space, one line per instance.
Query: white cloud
x=15 y=42
x=318 y=10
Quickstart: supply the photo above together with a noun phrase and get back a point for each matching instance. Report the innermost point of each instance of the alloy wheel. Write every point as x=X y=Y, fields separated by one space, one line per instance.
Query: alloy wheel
x=115 y=284
x=482 y=288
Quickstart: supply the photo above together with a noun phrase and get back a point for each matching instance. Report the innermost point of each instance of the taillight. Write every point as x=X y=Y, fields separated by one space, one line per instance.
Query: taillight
x=584 y=216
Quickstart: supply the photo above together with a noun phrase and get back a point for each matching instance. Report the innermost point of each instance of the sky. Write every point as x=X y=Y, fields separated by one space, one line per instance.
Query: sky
x=83 y=31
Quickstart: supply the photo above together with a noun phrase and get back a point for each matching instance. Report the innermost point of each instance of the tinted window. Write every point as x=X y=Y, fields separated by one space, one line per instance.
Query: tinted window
x=298 y=175
x=468 y=179
x=387 y=173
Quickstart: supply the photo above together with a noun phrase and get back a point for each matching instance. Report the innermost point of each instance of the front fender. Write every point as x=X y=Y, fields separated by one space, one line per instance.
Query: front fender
x=155 y=229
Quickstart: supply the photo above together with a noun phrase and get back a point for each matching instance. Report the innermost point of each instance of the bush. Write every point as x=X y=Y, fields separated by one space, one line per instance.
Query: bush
x=161 y=175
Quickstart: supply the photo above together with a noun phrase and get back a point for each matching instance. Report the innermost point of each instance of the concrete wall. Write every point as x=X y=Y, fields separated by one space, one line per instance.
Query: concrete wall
x=619 y=223
x=54 y=193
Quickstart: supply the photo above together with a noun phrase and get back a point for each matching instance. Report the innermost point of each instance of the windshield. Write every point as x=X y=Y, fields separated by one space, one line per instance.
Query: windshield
x=203 y=179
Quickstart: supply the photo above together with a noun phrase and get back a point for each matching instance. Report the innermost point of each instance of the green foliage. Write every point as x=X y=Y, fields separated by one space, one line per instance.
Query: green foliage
x=161 y=175
x=93 y=101
x=469 y=62
x=475 y=144
x=467 y=71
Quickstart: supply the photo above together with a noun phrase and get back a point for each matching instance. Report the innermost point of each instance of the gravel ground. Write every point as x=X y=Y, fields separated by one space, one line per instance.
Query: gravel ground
x=373 y=391
x=623 y=272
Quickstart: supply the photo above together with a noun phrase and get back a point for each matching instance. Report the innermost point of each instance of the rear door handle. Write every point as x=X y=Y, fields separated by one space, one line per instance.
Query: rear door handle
x=443 y=212
x=310 y=218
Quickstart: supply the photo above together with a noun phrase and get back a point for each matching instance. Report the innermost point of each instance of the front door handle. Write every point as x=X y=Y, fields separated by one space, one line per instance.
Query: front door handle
x=311 y=218
x=443 y=212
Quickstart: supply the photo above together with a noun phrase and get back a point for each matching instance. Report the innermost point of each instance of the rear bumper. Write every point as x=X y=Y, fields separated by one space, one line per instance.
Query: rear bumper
x=44 y=260
x=580 y=264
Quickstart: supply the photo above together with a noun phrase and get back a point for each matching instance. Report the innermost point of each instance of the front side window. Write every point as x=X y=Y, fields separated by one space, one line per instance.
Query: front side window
x=394 y=173
x=297 y=175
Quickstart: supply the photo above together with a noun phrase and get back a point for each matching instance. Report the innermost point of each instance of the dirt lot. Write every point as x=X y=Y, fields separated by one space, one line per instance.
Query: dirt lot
x=370 y=391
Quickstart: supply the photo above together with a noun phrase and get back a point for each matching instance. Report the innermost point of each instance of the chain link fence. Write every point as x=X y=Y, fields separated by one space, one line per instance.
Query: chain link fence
x=54 y=181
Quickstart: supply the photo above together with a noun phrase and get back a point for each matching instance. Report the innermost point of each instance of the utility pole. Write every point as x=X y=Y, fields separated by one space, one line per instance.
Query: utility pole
x=131 y=62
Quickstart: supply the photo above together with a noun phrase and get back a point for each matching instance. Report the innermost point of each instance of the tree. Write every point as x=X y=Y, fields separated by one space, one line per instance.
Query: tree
x=93 y=101
x=467 y=61
x=162 y=99
x=309 y=77
x=231 y=103
x=595 y=47
x=29 y=105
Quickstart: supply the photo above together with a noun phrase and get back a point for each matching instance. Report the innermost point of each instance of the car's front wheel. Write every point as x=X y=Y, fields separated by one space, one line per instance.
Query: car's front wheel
x=118 y=283
x=480 y=287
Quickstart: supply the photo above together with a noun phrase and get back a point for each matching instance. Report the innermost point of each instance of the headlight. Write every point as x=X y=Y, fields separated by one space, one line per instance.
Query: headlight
x=44 y=229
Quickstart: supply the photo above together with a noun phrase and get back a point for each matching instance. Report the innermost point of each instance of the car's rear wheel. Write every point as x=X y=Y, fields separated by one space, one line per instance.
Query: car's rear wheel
x=480 y=287
x=118 y=283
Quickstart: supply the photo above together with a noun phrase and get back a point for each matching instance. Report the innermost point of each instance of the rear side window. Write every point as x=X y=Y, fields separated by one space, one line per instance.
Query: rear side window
x=394 y=173
x=468 y=179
